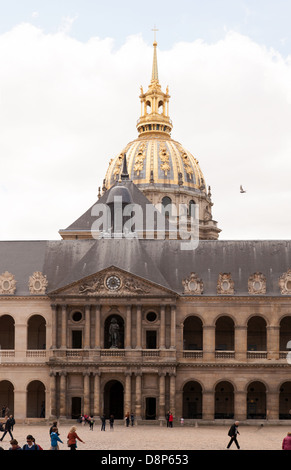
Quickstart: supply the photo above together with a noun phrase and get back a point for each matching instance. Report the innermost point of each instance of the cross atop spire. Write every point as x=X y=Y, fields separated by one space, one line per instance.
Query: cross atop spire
x=155 y=29
x=155 y=75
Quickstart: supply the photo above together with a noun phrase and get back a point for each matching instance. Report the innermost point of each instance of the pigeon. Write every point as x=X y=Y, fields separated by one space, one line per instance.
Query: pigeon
x=242 y=190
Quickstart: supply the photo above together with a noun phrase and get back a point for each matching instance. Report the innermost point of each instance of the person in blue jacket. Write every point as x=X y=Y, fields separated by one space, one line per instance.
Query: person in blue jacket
x=55 y=439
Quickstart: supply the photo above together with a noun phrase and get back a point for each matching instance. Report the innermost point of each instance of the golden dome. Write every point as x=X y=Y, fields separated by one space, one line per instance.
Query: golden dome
x=154 y=158
x=159 y=161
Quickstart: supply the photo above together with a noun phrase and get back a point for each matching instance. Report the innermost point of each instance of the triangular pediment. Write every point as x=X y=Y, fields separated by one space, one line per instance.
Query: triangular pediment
x=113 y=282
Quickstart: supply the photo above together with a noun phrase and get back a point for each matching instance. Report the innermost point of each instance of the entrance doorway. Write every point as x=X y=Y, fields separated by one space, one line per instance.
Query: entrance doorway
x=76 y=407
x=113 y=399
x=151 y=408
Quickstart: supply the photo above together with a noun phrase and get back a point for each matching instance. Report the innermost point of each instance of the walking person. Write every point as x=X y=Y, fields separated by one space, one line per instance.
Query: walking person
x=111 y=422
x=103 y=422
x=171 y=418
x=91 y=423
x=127 y=419
x=286 y=444
x=233 y=432
x=167 y=418
x=55 y=439
x=7 y=428
x=54 y=425
x=132 y=419
x=72 y=438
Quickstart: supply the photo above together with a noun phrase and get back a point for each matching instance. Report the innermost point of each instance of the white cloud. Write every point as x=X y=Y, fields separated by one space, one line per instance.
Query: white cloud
x=67 y=107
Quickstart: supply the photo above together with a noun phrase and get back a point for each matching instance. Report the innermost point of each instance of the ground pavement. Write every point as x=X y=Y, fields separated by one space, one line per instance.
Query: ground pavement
x=148 y=437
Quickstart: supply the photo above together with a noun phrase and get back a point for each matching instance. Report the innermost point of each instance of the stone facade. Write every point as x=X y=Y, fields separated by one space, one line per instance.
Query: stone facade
x=202 y=358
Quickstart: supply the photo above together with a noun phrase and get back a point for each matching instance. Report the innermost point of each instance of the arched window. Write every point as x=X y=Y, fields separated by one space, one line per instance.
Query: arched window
x=224 y=401
x=36 y=332
x=192 y=208
x=192 y=334
x=167 y=206
x=7 y=332
x=256 y=401
x=35 y=399
x=257 y=334
x=192 y=400
x=224 y=334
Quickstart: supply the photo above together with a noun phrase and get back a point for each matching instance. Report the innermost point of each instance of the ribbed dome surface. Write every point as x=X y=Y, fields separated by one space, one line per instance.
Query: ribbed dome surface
x=159 y=161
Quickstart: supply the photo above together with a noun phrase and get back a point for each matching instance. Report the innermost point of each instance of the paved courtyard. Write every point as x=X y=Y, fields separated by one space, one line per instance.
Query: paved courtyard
x=148 y=437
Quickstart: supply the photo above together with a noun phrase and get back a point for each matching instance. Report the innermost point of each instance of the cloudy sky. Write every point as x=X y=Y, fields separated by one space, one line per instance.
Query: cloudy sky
x=70 y=76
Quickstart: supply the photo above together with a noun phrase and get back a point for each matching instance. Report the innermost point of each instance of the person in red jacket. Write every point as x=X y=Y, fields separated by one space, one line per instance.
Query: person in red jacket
x=286 y=444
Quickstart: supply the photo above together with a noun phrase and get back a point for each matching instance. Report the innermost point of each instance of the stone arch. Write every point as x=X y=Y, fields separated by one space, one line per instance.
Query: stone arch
x=113 y=399
x=285 y=400
x=257 y=333
x=256 y=400
x=6 y=397
x=285 y=332
x=35 y=402
x=108 y=341
x=224 y=333
x=224 y=400
x=7 y=332
x=193 y=333
x=192 y=400
x=36 y=332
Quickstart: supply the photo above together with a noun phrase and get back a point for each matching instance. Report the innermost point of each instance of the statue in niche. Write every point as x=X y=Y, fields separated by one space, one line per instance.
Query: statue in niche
x=114 y=333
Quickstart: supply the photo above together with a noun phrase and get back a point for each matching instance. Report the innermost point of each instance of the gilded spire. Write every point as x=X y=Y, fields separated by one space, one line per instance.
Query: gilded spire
x=154 y=104
x=155 y=76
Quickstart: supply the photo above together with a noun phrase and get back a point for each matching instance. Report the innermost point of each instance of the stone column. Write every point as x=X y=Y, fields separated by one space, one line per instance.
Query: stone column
x=87 y=327
x=128 y=328
x=240 y=346
x=163 y=327
x=173 y=393
x=97 y=326
x=173 y=326
x=273 y=341
x=272 y=405
x=240 y=405
x=53 y=386
x=63 y=394
x=97 y=376
x=208 y=404
x=138 y=377
x=127 y=393
x=162 y=390
x=64 y=327
x=86 y=410
x=138 y=327
x=208 y=343
x=54 y=326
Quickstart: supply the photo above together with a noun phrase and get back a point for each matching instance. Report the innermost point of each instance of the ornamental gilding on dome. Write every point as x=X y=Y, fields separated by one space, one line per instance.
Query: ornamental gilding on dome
x=257 y=283
x=7 y=283
x=37 y=283
x=139 y=159
x=285 y=283
x=193 y=285
x=225 y=284
x=165 y=158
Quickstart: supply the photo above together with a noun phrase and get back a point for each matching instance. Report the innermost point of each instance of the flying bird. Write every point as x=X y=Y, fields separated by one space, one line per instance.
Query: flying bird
x=242 y=190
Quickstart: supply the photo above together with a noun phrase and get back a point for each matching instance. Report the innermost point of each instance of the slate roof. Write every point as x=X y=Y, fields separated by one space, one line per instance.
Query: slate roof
x=160 y=261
